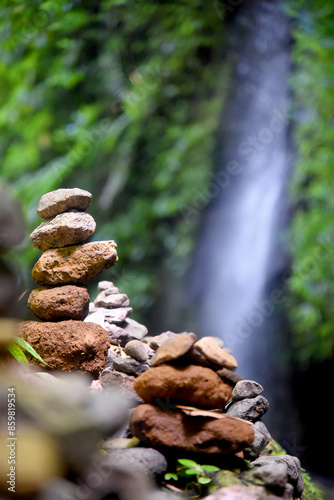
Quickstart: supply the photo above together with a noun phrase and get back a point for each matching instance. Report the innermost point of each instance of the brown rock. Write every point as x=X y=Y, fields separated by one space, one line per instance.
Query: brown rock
x=61 y=200
x=173 y=428
x=229 y=376
x=74 y=264
x=69 y=228
x=68 y=345
x=173 y=348
x=59 y=303
x=189 y=385
x=156 y=341
x=210 y=349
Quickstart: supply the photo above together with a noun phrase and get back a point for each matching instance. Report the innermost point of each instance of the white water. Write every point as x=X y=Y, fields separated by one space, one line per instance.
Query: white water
x=239 y=253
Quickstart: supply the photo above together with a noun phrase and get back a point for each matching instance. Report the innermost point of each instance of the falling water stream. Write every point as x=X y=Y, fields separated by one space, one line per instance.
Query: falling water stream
x=239 y=252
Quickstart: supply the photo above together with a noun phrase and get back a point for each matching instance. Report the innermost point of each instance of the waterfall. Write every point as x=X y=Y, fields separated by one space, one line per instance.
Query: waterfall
x=239 y=253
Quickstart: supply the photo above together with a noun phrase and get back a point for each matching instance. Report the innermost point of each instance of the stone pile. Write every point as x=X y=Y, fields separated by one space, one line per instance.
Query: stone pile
x=68 y=262
x=180 y=390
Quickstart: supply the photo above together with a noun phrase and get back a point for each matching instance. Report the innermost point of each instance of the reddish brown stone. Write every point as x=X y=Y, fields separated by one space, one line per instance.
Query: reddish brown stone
x=68 y=345
x=159 y=427
x=74 y=264
x=59 y=303
x=188 y=385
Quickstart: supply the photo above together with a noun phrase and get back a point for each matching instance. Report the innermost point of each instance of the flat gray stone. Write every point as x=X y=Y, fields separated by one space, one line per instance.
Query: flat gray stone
x=117 y=315
x=107 y=285
x=246 y=389
x=128 y=330
x=111 y=300
x=158 y=340
x=62 y=200
x=249 y=409
x=130 y=366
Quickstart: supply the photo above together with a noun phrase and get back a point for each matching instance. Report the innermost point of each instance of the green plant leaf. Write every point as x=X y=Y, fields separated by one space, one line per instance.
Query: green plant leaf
x=187 y=463
x=204 y=480
x=18 y=354
x=192 y=472
x=24 y=345
x=171 y=475
x=211 y=468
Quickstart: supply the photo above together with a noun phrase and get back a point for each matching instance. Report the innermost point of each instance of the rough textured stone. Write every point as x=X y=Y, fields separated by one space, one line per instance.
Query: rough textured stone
x=74 y=264
x=210 y=349
x=68 y=345
x=130 y=366
x=143 y=460
x=294 y=469
x=61 y=200
x=173 y=348
x=65 y=229
x=273 y=475
x=190 y=385
x=173 y=428
x=261 y=439
x=250 y=409
x=246 y=389
x=126 y=331
x=136 y=350
x=109 y=300
x=59 y=303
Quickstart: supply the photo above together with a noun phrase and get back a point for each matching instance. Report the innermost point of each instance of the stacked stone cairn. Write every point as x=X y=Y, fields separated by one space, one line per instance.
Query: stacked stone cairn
x=62 y=338
x=194 y=402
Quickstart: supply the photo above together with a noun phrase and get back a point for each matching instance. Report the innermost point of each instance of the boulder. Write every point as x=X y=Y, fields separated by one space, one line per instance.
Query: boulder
x=116 y=381
x=189 y=385
x=173 y=428
x=62 y=200
x=173 y=348
x=68 y=345
x=69 y=228
x=147 y=461
x=74 y=264
x=59 y=303
x=293 y=469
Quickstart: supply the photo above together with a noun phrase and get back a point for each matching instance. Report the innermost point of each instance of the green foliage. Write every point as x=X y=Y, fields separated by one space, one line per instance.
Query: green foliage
x=16 y=349
x=192 y=475
x=312 y=279
x=121 y=99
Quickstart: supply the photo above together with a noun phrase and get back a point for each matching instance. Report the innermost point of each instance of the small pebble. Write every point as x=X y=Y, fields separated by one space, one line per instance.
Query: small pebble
x=136 y=350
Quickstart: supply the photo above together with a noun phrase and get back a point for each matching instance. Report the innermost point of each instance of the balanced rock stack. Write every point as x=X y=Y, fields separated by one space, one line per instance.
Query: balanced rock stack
x=188 y=379
x=63 y=339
